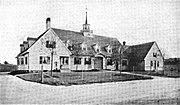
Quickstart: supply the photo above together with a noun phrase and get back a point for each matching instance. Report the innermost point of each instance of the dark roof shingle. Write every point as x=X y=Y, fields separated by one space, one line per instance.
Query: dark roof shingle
x=77 y=38
x=140 y=50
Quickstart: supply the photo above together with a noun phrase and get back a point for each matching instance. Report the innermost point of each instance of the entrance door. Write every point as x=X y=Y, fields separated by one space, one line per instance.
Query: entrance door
x=98 y=63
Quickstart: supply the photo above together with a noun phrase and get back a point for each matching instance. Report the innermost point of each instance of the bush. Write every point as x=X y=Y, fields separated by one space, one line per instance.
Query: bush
x=7 y=67
x=56 y=70
x=45 y=70
x=19 y=72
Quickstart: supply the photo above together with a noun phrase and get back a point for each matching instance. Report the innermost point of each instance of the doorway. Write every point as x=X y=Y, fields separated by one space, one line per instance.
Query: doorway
x=98 y=63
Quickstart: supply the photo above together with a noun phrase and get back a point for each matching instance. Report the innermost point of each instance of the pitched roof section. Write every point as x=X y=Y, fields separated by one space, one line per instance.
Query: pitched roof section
x=32 y=44
x=140 y=50
x=77 y=38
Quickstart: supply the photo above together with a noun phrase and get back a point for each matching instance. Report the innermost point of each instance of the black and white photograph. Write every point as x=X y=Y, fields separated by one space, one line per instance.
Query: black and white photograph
x=93 y=52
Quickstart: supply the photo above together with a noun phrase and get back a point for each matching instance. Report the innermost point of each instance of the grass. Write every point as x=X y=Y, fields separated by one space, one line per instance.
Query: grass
x=76 y=78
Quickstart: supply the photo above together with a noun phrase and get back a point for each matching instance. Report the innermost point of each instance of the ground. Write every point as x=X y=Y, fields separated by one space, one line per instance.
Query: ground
x=152 y=92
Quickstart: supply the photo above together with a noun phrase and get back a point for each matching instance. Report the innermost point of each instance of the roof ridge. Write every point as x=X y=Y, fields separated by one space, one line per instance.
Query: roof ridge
x=80 y=33
x=65 y=30
x=143 y=43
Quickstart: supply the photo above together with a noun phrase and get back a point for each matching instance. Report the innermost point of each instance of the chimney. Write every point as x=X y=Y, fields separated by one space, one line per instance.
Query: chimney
x=48 y=23
x=124 y=43
x=30 y=41
x=25 y=43
x=21 y=47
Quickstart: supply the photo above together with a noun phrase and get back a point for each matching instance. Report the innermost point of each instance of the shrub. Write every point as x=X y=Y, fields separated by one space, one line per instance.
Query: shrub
x=19 y=72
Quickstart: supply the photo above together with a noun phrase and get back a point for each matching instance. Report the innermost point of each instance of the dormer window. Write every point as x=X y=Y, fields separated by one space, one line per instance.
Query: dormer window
x=84 y=49
x=97 y=48
x=84 y=46
x=70 y=48
x=109 y=49
x=69 y=45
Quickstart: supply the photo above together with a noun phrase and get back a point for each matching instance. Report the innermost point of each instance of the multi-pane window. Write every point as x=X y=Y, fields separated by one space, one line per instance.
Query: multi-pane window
x=109 y=61
x=77 y=60
x=87 y=61
x=26 y=60
x=151 y=63
x=17 y=61
x=50 y=44
x=157 y=63
x=64 y=60
x=22 y=61
x=154 y=54
x=124 y=62
x=44 y=60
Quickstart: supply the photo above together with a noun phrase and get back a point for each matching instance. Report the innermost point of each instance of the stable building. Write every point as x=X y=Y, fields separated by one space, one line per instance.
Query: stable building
x=59 y=49
x=67 y=50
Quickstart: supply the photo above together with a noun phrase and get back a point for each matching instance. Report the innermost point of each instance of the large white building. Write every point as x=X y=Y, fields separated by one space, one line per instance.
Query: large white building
x=68 y=50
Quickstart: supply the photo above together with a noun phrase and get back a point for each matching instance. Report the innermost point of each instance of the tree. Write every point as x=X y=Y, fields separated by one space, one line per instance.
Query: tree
x=133 y=60
x=164 y=53
x=117 y=56
x=5 y=62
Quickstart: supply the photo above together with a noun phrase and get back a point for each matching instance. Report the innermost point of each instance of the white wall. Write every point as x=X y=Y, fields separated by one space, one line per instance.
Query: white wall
x=39 y=49
x=23 y=66
x=149 y=58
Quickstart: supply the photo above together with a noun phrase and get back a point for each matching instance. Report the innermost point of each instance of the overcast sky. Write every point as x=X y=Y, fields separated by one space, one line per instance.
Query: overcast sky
x=133 y=21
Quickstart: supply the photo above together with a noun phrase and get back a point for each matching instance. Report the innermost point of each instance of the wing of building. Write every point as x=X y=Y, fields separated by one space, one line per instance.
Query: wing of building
x=146 y=56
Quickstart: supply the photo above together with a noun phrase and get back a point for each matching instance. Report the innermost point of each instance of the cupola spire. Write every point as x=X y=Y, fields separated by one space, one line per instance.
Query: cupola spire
x=86 y=28
x=86 y=16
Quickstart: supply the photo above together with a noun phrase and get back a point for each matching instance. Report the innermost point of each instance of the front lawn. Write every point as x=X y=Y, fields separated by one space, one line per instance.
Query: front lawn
x=77 y=78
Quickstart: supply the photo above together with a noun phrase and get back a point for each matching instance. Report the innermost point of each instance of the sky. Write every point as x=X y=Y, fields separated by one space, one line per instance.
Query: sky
x=133 y=21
